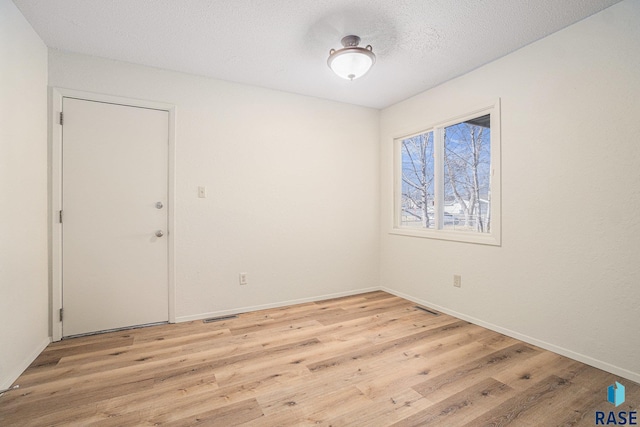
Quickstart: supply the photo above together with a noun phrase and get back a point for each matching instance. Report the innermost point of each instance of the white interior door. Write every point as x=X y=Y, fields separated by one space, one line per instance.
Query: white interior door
x=114 y=204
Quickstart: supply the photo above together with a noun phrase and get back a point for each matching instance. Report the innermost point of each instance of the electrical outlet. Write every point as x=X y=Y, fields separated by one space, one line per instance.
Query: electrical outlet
x=457 y=280
x=202 y=192
x=242 y=277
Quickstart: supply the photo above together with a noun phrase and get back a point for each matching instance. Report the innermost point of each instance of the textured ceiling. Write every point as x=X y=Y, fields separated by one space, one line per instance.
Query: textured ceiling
x=284 y=44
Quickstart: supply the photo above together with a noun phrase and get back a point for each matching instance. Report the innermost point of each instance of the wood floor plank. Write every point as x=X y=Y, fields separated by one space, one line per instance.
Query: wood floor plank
x=520 y=376
x=232 y=415
x=391 y=325
x=360 y=310
x=381 y=412
x=363 y=360
x=379 y=349
x=311 y=409
x=466 y=374
x=426 y=361
x=107 y=408
x=461 y=406
x=514 y=410
x=275 y=322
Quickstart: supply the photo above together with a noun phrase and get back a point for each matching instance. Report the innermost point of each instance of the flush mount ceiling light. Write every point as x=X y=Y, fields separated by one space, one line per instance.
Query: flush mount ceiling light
x=351 y=61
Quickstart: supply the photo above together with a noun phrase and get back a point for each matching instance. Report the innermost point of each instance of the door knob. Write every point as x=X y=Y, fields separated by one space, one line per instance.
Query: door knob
x=159 y=205
x=159 y=233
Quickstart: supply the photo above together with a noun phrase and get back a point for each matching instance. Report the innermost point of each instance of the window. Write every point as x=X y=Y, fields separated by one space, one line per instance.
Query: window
x=448 y=180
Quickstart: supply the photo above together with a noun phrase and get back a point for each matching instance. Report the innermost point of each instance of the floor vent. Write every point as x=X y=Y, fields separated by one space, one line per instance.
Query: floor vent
x=218 y=319
x=435 y=313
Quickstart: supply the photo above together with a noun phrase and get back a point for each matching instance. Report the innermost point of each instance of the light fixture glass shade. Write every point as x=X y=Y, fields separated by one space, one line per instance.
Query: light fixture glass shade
x=352 y=61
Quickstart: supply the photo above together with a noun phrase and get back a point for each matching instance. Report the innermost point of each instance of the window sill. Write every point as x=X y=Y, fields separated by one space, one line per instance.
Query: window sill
x=453 y=236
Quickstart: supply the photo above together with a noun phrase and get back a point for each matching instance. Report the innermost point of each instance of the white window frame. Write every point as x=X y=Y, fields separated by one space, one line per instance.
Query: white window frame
x=491 y=238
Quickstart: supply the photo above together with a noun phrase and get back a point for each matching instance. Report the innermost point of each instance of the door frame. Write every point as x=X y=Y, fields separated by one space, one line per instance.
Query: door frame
x=55 y=192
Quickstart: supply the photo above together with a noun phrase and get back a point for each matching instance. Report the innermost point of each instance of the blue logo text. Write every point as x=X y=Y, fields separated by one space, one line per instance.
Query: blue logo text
x=616 y=418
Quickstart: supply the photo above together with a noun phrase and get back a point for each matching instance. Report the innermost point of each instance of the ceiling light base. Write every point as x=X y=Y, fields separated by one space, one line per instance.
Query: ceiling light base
x=351 y=61
x=350 y=41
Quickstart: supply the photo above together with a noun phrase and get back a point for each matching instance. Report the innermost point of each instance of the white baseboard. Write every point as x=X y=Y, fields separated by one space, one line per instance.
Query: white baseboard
x=616 y=370
x=272 y=305
x=13 y=375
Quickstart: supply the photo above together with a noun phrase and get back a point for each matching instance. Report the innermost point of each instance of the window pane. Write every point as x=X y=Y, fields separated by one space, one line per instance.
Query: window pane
x=467 y=175
x=417 y=181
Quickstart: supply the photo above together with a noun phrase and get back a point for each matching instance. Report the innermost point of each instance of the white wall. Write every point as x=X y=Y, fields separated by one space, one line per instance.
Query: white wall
x=23 y=194
x=567 y=275
x=292 y=186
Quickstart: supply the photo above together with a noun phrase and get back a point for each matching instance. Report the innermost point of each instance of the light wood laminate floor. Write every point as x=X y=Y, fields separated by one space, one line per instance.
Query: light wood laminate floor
x=365 y=360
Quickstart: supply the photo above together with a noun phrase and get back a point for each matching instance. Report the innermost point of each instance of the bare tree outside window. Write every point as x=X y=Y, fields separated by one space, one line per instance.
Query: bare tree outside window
x=417 y=181
x=466 y=180
x=467 y=174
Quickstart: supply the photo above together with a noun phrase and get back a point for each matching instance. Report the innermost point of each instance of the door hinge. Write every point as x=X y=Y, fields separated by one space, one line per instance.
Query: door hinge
x=61 y=118
x=60 y=217
x=61 y=314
